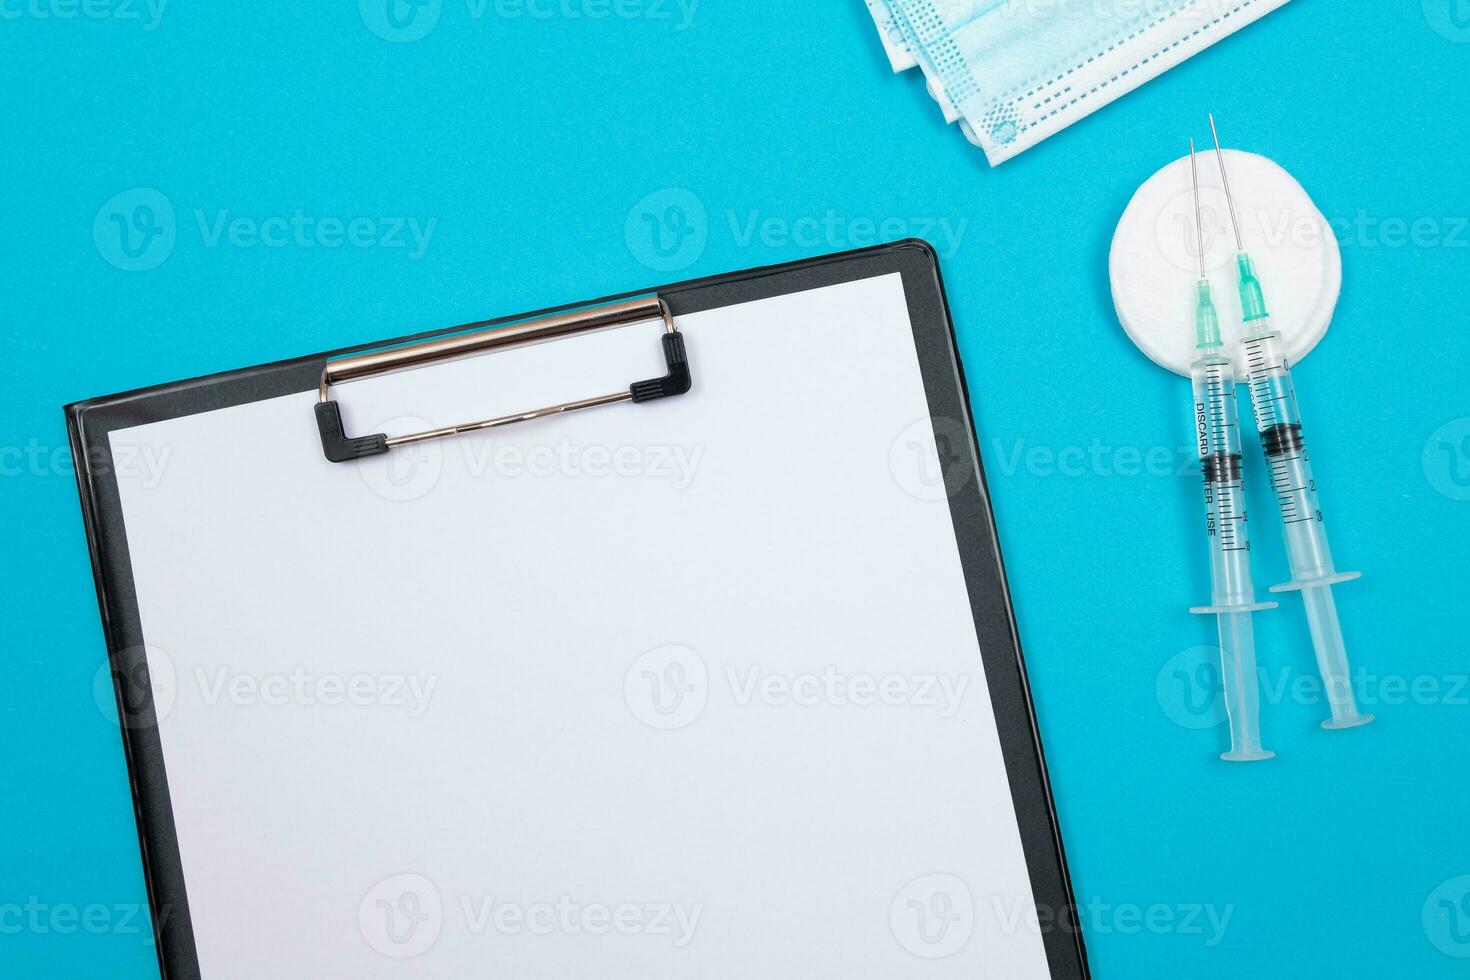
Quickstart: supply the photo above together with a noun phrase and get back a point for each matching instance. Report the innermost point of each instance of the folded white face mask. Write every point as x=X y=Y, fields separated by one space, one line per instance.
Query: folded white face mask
x=1014 y=72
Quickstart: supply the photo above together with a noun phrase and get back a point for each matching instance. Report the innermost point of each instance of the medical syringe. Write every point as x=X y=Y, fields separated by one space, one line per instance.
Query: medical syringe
x=1217 y=436
x=1280 y=424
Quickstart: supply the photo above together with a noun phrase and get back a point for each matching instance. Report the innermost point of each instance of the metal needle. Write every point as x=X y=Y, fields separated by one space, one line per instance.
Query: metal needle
x=1225 y=178
x=1199 y=224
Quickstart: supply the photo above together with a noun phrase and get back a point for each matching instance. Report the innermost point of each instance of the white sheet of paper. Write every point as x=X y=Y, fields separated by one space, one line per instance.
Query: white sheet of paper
x=682 y=689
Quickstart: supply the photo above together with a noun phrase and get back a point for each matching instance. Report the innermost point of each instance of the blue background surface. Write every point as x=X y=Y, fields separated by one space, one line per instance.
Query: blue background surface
x=531 y=143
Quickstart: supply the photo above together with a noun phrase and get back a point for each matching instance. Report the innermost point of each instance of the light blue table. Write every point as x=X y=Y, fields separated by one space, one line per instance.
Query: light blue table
x=531 y=144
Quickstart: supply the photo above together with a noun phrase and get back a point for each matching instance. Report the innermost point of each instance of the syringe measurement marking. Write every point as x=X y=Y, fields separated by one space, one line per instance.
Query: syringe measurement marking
x=1288 y=496
x=1216 y=444
x=1264 y=377
x=1227 y=520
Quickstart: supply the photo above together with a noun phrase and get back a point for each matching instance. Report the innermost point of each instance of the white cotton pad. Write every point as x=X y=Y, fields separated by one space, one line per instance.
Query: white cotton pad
x=1154 y=261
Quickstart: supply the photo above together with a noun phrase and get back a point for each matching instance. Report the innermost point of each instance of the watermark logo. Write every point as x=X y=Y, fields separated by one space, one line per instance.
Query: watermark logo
x=1189 y=690
x=1446 y=917
x=1450 y=19
x=667 y=688
x=400 y=21
x=140 y=694
x=1447 y=459
x=135 y=230
x=405 y=472
x=1180 y=238
x=401 y=917
x=930 y=459
x=667 y=230
x=933 y=917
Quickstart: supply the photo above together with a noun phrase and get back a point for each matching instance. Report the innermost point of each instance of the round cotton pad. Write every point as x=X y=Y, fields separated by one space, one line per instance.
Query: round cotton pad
x=1154 y=262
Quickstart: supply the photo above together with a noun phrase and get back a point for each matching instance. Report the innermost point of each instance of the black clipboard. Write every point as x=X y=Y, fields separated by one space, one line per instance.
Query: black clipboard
x=91 y=421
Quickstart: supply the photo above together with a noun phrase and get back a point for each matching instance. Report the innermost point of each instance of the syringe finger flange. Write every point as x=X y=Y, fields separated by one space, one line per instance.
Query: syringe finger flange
x=1315 y=583
x=1232 y=608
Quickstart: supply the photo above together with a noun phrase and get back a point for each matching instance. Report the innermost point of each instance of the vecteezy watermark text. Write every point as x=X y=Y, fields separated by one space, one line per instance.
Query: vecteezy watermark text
x=303 y=688
x=1190 y=692
x=1097 y=458
x=677 y=921
x=37 y=917
x=833 y=229
x=402 y=916
x=669 y=687
x=668 y=229
x=144 y=464
x=414 y=472
x=148 y=14
x=302 y=230
x=934 y=917
x=679 y=14
x=405 y=21
x=1099 y=918
x=137 y=230
x=1365 y=230
x=142 y=687
x=838 y=688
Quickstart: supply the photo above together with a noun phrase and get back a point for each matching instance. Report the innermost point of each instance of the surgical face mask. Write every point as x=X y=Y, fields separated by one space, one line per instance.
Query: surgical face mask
x=1014 y=72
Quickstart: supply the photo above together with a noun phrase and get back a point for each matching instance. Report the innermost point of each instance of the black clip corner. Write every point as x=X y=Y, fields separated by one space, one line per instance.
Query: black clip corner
x=338 y=446
x=677 y=382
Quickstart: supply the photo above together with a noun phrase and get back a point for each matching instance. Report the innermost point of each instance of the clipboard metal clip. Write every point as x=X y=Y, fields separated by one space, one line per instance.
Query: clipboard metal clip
x=341 y=448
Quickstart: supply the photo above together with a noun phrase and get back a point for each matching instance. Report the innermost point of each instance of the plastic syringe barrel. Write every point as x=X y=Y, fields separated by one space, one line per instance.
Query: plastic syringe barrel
x=1217 y=434
x=1279 y=422
x=1217 y=440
